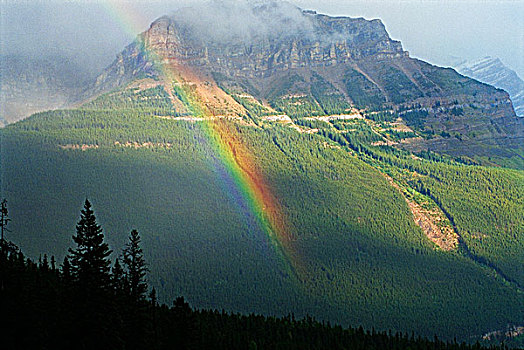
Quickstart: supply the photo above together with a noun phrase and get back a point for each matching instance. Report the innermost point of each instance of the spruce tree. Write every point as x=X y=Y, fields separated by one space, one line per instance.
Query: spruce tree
x=66 y=271
x=136 y=320
x=95 y=324
x=4 y=220
x=119 y=279
x=90 y=265
x=136 y=267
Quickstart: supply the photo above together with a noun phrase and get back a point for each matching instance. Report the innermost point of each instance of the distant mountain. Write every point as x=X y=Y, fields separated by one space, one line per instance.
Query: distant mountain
x=492 y=71
x=34 y=84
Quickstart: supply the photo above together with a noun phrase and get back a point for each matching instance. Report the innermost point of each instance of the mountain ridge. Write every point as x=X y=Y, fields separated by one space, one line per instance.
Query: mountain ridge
x=298 y=73
x=492 y=71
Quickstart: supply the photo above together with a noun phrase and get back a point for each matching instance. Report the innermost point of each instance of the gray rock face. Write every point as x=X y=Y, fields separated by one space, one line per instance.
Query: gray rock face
x=132 y=63
x=275 y=37
x=323 y=41
x=492 y=71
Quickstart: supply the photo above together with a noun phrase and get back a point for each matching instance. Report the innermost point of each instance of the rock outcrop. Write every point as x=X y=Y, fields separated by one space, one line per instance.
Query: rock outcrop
x=331 y=41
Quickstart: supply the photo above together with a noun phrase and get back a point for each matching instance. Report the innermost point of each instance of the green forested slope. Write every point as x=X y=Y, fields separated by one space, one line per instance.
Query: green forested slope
x=366 y=262
x=48 y=309
x=485 y=205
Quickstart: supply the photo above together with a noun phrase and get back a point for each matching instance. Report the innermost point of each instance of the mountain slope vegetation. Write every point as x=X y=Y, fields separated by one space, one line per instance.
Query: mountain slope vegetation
x=363 y=258
x=380 y=231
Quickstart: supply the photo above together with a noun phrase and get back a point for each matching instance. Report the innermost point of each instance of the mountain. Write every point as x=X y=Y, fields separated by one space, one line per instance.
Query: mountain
x=492 y=71
x=322 y=65
x=280 y=164
x=29 y=85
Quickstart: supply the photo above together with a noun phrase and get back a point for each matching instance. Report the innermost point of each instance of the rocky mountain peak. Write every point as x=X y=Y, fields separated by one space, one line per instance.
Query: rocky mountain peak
x=266 y=37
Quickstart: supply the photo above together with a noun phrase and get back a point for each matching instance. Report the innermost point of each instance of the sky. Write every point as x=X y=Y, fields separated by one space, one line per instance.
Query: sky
x=441 y=32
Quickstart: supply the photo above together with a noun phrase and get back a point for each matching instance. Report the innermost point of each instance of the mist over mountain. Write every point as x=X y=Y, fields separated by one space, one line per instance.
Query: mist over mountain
x=82 y=32
x=34 y=84
x=241 y=22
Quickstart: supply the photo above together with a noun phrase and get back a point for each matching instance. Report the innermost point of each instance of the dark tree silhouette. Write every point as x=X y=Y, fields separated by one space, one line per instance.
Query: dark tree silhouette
x=4 y=220
x=136 y=324
x=96 y=324
x=136 y=267
x=90 y=265
x=119 y=279
x=66 y=270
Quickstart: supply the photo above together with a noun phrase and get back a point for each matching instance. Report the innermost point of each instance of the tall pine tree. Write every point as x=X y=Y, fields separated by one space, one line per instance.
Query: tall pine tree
x=136 y=267
x=136 y=320
x=90 y=264
x=96 y=323
x=4 y=220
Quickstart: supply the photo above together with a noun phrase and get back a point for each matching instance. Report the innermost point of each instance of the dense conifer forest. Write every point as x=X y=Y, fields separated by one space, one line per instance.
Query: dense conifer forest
x=95 y=301
x=366 y=260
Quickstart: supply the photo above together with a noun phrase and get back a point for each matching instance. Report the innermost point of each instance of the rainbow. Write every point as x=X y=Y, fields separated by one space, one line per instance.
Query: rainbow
x=229 y=149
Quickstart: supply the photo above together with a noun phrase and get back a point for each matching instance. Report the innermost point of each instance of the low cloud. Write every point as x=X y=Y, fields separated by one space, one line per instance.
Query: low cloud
x=242 y=21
